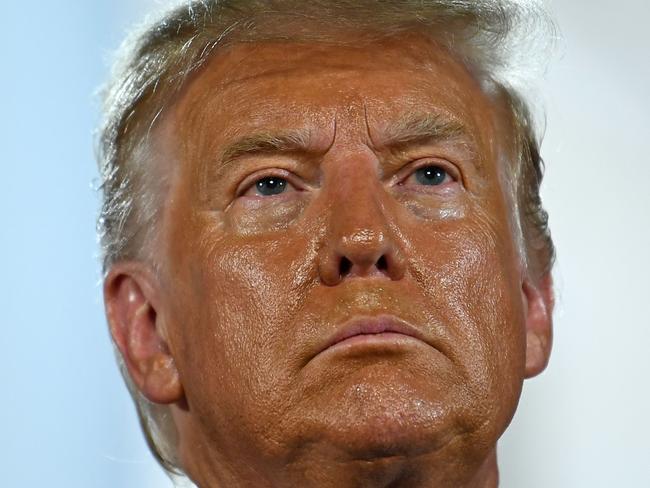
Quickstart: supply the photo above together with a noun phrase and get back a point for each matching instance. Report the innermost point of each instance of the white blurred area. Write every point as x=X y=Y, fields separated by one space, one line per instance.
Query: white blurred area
x=585 y=421
x=67 y=419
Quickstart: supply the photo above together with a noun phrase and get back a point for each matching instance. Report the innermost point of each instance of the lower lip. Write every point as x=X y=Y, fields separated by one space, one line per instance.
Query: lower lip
x=382 y=340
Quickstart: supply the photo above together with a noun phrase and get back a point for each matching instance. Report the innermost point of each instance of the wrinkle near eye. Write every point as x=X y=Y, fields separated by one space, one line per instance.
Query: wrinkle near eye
x=252 y=216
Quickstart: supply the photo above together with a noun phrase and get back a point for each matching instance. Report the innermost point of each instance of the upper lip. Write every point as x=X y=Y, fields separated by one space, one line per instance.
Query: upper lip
x=372 y=325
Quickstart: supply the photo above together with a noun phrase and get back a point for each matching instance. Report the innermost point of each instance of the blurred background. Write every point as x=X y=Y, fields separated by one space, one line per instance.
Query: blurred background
x=67 y=420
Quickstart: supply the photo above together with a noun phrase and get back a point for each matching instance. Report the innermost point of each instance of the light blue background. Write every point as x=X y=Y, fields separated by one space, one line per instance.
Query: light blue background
x=67 y=420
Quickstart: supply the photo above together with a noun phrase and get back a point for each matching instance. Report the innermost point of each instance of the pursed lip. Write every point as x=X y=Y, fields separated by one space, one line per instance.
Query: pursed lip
x=372 y=325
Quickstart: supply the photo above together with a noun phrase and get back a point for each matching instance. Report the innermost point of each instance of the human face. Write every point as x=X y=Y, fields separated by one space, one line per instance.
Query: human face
x=319 y=191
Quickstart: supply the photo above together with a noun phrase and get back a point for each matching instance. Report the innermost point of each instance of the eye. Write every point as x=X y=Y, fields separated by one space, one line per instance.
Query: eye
x=271 y=185
x=432 y=175
x=268 y=187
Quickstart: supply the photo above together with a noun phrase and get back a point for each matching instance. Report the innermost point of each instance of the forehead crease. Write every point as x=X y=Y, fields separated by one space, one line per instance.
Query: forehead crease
x=251 y=89
x=275 y=106
x=302 y=72
x=243 y=61
x=264 y=66
x=254 y=72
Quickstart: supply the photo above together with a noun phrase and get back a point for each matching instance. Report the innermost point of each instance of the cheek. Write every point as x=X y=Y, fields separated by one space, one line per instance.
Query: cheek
x=470 y=276
x=243 y=289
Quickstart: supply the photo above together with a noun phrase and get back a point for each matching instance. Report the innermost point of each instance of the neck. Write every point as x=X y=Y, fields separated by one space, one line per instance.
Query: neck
x=488 y=474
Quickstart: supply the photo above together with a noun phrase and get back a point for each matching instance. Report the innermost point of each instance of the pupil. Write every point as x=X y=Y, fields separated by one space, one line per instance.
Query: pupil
x=431 y=175
x=271 y=186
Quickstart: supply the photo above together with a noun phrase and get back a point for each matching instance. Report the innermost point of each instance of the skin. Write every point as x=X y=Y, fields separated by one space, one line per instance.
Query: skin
x=249 y=287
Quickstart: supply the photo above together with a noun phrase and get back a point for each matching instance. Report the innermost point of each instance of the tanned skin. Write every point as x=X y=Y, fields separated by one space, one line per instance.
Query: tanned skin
x=309 y=185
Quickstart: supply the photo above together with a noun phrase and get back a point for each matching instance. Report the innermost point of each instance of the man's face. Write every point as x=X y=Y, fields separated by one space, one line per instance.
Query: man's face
x=314 y=188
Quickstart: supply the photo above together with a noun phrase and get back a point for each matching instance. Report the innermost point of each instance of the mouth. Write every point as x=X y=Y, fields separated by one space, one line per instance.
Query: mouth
x=383 y=331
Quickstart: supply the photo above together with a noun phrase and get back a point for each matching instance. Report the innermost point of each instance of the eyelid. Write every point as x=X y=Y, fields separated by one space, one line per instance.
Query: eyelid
x=250 y=180
x=451 y=169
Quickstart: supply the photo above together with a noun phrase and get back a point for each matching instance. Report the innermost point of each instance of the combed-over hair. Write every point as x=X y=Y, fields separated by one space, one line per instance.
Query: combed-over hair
x=492 y=37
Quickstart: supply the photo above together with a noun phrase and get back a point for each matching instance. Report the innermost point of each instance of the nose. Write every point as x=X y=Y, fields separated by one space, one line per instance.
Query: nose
x=359 y=240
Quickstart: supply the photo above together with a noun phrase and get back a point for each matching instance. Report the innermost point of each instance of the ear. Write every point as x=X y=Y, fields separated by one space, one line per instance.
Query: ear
x=539 y=323
x=130 y=297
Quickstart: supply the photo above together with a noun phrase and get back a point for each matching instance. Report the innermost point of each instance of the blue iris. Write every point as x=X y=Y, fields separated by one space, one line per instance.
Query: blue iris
x=431 y=175
x=271 y=185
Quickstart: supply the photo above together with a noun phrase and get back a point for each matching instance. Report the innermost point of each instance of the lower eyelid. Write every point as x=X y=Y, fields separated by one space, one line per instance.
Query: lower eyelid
x=437 y=190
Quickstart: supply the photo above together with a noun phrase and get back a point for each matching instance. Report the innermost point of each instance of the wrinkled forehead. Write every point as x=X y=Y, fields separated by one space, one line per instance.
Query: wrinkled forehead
x=262 y=85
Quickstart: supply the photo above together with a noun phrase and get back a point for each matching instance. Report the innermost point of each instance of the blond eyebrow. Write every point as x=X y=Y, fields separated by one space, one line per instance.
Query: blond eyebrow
x=421 y=128
x=265 y=143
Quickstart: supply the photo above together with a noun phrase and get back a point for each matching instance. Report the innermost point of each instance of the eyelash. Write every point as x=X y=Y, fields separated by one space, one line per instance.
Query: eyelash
x=450 y=172
x=286 y=176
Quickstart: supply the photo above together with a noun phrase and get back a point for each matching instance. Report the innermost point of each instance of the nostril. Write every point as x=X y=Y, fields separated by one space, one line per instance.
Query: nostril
x=346 y=264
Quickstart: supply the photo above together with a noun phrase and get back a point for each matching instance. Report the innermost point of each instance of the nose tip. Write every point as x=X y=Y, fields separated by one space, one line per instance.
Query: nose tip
x=364 y=253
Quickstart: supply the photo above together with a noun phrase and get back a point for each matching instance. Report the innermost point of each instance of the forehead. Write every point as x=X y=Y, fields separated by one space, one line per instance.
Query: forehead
x=277 y=85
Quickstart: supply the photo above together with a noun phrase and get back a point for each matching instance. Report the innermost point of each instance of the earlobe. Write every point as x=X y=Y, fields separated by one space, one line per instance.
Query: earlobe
x=135 y=325
x=539 y=323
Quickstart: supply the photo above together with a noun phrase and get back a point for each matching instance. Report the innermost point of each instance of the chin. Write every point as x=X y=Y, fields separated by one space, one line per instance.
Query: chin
x=384 y=411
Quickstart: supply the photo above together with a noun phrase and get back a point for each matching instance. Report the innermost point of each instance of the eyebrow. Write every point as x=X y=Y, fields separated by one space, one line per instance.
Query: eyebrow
x=414 y=129
x=417 y=129
x=292 y=141
x=409 y=130
x=265 y=143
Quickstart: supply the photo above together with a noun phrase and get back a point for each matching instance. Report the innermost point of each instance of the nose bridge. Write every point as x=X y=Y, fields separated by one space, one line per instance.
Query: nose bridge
x=358 y=217
x=359 y=239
